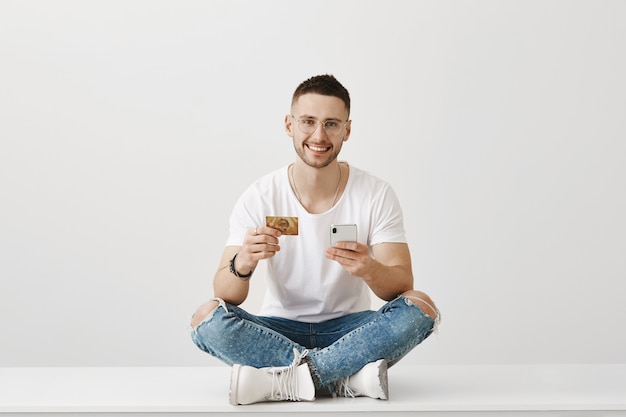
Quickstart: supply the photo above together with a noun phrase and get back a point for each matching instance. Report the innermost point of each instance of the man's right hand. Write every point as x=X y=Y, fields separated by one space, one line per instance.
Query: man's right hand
x=259 y=243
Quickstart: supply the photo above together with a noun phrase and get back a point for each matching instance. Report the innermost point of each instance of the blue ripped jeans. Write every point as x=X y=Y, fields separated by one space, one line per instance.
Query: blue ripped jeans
x=337 y=348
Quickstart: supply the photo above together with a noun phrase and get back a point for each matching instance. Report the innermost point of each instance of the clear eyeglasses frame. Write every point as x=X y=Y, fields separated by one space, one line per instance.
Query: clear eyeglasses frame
x=308 y=125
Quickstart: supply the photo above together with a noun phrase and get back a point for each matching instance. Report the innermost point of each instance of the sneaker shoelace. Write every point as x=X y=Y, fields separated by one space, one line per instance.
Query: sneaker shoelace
x=344 y=389
x=285 y=385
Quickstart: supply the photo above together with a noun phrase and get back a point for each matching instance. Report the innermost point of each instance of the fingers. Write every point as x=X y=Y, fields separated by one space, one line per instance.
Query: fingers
x=351 y=246
x=342 y=255
x=263 y=230
x=353 y=256
x=260 y=243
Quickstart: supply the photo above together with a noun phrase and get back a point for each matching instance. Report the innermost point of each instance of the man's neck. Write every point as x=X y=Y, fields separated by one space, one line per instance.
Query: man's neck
x=318 y=189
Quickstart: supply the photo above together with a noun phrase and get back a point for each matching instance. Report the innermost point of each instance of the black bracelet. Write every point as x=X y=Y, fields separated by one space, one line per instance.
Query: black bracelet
x=234 y=271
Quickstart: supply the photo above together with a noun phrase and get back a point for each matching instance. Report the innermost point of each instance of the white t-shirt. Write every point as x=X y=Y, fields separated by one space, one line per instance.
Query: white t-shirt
x=302 y=284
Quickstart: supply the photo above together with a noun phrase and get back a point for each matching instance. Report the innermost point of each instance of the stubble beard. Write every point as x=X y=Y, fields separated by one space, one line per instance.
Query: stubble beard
x=323 y=164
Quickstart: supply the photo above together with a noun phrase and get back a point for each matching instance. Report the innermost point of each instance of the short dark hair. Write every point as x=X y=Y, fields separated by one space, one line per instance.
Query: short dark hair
x=326 y=85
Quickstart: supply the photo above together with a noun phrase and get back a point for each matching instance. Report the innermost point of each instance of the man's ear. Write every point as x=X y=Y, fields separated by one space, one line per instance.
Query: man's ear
x=348 y=130
x=289 y=125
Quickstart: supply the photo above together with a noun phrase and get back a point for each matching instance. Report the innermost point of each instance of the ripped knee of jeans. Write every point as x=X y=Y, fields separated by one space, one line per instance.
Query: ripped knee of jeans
x=205 y=313
x=416 y=298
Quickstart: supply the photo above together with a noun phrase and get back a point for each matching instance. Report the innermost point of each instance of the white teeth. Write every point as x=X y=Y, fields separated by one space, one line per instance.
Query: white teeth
x=318 y=148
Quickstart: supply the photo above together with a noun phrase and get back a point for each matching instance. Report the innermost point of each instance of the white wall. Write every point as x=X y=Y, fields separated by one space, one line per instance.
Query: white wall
x=129 y=128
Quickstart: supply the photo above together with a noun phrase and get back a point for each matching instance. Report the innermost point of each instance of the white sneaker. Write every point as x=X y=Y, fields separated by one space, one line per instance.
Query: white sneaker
x=369 y=381
x=286 y=383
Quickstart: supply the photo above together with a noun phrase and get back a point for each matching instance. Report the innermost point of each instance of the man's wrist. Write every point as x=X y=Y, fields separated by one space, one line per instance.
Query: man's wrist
x=233 y=270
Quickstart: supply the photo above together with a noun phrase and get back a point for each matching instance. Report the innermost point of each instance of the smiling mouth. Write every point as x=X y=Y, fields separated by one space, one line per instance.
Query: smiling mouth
x=318 y=148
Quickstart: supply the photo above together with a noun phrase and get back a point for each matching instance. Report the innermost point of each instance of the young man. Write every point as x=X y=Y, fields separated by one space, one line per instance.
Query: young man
x=315 y=332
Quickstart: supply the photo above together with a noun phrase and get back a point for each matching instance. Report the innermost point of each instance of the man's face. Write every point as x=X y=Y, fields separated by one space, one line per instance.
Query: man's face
x=317 y=149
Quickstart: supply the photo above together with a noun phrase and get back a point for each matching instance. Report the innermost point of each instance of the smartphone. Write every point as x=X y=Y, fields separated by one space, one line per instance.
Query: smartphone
x=342 y=233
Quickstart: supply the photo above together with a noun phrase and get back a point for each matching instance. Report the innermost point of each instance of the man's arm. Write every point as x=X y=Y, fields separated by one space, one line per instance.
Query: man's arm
x=388 y=273
x=259 y=243
x=226 y=285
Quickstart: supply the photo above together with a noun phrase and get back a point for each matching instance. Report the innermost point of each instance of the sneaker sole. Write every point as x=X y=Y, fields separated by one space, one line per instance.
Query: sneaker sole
x=382 y=377
x=234 y=381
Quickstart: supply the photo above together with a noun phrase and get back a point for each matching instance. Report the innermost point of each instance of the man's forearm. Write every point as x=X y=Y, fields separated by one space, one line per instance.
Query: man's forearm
x=387 y=282
x=230 y=288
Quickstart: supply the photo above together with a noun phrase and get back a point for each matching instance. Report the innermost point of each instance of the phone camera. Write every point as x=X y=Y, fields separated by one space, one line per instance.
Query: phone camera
x=334 y=230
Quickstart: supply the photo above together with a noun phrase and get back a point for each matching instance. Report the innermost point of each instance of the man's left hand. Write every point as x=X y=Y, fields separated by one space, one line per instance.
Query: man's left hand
x=353 y=256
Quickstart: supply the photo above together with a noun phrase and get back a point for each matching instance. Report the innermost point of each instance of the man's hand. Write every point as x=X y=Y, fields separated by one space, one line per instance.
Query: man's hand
x=388 y=273
x=353 y=256
x=259 y=243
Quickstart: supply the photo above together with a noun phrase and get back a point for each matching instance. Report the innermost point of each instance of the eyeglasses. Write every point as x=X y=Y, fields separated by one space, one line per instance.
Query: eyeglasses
x=331 y=127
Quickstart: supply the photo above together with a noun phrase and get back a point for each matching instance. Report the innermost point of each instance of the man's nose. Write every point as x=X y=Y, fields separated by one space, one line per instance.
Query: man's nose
x=319 y=131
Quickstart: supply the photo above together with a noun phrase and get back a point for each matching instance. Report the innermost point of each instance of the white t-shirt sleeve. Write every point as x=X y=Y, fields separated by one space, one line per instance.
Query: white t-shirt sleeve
x=388 y=225
x=244 y=216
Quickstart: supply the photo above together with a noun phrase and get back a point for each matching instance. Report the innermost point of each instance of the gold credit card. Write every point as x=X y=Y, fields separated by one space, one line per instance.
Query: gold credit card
x=287 y=225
